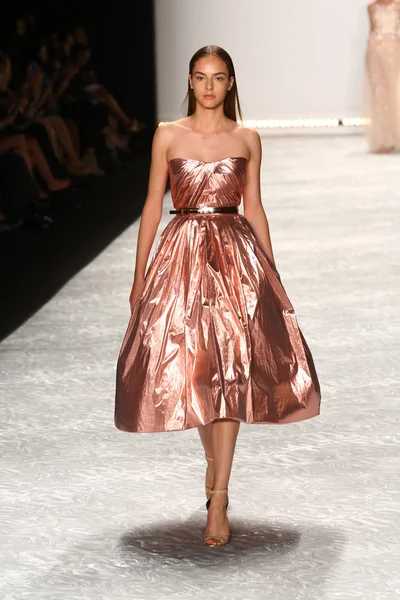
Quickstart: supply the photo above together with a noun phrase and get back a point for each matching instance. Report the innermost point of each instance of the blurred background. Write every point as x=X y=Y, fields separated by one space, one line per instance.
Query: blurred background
x=293 y=60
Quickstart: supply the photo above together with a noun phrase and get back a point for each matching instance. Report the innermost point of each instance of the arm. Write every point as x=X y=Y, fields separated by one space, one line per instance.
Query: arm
x=68 y=74
x=253 y=208
x=46 y=94
x=34 y=85
x=8 y=120
x=371 y=17
x=152 y=210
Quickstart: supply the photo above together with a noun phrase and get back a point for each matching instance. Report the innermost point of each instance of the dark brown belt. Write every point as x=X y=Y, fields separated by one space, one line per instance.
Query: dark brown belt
x=207 y=210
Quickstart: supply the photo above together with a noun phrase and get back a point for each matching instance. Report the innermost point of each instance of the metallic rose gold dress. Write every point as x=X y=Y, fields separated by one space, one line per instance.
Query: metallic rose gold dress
x=213 y=334
x=382 y=82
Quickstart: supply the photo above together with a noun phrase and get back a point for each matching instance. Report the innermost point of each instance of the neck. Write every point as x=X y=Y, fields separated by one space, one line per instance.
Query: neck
x=209 y=121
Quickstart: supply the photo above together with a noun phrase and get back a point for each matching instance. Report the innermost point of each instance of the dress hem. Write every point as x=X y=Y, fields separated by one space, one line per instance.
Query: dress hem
x=286 y=421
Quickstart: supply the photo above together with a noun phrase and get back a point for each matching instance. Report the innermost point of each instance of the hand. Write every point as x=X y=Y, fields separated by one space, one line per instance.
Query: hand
x=136 y=292
x=9 y=119
x=71 y=71
x=22 y=102
x=30 y=111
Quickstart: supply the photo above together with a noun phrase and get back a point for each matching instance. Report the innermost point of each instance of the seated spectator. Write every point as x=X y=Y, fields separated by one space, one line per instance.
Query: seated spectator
x=76 y=104
x=99 y=92
x=28 y=139
x=18 y=205
x=39 y=83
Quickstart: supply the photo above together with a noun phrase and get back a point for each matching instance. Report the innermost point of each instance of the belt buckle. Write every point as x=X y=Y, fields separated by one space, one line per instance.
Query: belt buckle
x=206 y=209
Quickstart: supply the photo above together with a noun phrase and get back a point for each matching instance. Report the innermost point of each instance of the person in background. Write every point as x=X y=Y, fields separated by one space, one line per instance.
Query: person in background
x=99 y=91
x=382 y=84
x=25 y=138
x=39 y=84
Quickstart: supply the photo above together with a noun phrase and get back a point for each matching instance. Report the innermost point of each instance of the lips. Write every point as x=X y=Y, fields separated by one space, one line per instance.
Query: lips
x=208 y=96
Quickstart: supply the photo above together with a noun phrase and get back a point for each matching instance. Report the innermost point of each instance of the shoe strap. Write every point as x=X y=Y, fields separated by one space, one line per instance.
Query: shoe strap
x=219 y=491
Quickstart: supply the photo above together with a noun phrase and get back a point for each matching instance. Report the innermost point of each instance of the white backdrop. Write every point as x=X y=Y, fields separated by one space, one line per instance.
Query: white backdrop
x=293 y=58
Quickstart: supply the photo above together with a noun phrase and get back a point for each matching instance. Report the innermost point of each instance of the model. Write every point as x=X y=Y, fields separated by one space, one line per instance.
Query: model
x=213 y=339
x=382 y=86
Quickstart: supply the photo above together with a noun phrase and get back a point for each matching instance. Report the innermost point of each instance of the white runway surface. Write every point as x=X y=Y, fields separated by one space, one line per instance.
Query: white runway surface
x=89 y=512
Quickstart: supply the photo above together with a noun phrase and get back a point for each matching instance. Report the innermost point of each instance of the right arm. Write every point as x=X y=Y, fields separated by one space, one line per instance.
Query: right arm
x=68 y=74
x=152 y=210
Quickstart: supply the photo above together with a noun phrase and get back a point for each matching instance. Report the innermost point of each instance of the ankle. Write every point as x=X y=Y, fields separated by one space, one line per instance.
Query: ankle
x=218 y=500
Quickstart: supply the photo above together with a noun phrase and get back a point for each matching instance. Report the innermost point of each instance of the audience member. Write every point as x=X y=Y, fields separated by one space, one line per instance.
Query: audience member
x=57 y=120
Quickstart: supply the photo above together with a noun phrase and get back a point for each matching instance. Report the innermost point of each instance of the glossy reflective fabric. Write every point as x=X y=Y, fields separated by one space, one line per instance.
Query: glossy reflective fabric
x=213 y=334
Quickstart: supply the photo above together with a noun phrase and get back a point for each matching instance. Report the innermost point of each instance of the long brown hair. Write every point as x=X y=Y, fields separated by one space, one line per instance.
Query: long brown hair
x=231 y=102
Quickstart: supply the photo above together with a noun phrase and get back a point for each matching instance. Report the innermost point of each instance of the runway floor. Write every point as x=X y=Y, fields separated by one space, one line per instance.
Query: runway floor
x=89 y=512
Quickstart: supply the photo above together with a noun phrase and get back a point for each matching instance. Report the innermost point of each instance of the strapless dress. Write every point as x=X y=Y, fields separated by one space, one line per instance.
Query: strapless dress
x=213 y=334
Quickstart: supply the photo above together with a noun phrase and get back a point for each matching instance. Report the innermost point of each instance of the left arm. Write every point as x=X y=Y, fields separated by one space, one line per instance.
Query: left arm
x=253 y=208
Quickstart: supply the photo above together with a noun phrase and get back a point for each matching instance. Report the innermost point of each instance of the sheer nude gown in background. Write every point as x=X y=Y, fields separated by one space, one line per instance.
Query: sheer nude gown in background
x=382 y=81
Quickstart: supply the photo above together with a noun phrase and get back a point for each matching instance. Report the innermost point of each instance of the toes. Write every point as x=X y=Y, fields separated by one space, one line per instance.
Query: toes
x=213 y=542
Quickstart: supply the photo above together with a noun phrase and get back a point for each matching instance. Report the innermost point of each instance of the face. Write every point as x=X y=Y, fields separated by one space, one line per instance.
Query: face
x=5 y=72
x=83 y=58
x=43 y=54
x=210 y=81
x=80 y=36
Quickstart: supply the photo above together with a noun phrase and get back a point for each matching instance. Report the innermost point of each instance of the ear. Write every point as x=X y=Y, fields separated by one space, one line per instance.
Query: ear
x=190 y=81
x=231 y=82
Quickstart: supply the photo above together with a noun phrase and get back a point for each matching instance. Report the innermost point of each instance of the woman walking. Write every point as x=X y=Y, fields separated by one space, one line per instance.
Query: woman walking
x=382 y=88
x=213 y=340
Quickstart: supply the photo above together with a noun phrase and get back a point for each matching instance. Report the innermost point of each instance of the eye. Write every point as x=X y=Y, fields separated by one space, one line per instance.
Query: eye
x=220 y=78
x=199 y=77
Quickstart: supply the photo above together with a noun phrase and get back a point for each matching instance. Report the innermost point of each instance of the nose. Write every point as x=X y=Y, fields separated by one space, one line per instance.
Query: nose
x=209 y=85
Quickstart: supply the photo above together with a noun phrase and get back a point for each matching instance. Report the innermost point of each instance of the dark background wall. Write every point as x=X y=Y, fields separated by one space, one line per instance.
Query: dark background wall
x=120 y=33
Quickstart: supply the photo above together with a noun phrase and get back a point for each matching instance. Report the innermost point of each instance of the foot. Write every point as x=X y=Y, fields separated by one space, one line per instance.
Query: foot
x=217 y=521
x=78 y=167
x=384 y=150
x=114 y=141
x=42 y=195
x=59 y=184
x=91 y=162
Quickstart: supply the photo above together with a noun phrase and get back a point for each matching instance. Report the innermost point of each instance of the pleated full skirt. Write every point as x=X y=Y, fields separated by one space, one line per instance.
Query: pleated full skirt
x=213 y=335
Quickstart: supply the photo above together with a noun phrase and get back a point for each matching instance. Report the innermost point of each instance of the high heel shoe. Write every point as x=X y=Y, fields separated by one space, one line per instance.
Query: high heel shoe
x=208 y=489
x=221 y=538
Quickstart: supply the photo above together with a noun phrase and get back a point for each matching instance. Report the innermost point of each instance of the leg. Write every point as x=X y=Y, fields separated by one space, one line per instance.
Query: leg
x=74 y=134
x=75 y=165
x=205 y=433
x=103 y=96
x=38 y=132
x=17 y=143
x=40 y=163
x=51 y=132
x=224 y=435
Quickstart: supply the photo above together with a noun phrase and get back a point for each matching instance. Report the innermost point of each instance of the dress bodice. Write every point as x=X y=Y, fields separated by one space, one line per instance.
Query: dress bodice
x=386 y=19
x=196 y=183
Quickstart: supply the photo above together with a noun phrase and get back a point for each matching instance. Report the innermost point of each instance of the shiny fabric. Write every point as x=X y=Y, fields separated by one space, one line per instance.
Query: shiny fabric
x=205 y=209
x=213 y=334
x=382 y=79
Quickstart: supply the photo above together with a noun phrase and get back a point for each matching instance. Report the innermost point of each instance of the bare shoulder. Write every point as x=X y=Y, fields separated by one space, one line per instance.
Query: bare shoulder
x=252 y=140
x=168 y=133
x=163 y=132
x=173 y=128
